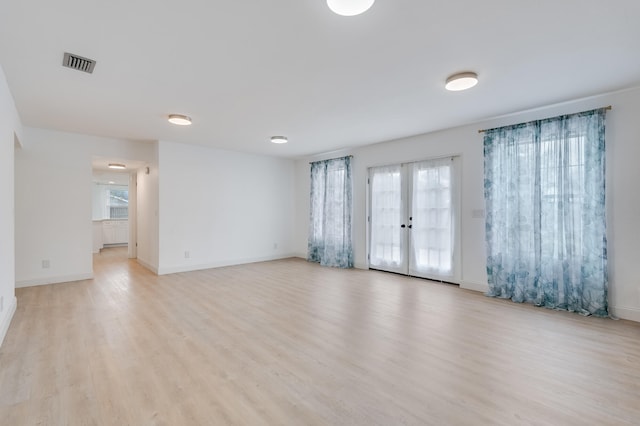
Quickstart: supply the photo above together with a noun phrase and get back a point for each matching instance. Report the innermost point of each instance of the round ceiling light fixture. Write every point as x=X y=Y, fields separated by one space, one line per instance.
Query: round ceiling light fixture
x=179 y=119
x=117 y=166
x=279 y=139
x=349 y=7
x=461 y=81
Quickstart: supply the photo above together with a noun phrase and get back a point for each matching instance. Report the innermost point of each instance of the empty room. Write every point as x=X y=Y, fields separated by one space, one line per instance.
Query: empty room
x=319 y=212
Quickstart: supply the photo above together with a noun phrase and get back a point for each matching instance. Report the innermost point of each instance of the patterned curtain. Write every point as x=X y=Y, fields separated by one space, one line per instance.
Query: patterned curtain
x=330 y=223
x=544 y=190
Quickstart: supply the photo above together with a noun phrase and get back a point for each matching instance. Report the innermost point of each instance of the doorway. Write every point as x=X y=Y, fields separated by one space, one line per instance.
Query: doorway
x=414 y=219
x=114 y=204
x=110 y=207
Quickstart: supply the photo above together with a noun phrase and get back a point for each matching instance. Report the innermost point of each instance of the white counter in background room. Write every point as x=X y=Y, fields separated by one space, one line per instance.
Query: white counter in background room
x=109 y=232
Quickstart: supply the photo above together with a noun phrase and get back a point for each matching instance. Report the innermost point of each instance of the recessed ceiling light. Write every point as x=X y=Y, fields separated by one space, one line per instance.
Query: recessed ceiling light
x=179 y=119
x=117 y=166
x=279 y=139
x=111 y=182
x=349 y=7
x=461 y=81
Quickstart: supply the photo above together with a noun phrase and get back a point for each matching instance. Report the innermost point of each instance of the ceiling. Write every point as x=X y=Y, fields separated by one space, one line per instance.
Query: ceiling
x=247 y=70
x=103 y=174
x=104 y=177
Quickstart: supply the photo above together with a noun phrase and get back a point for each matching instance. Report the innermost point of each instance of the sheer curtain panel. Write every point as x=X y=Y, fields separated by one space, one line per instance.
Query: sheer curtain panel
x=387 y=238
x=433 y=219
x=330 y=222
x=545 y=223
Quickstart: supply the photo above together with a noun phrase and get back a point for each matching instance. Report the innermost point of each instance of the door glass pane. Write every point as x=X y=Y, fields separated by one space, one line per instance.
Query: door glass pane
x=386 y=238
x=432 y=233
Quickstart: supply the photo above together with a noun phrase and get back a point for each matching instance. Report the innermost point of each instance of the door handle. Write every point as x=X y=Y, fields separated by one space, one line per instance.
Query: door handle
x=410 y=226
x=403 y=226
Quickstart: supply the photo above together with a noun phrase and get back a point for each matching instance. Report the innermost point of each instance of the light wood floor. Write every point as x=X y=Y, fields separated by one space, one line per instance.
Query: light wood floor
x=292 y=343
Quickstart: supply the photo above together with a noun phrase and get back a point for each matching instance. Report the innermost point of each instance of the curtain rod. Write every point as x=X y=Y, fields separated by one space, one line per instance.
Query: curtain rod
x=328 y=159
x=607 y=108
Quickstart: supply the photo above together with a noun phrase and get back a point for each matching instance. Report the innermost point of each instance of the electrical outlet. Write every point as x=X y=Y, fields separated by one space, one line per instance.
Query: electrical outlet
x=46 y=264
x=187 y=254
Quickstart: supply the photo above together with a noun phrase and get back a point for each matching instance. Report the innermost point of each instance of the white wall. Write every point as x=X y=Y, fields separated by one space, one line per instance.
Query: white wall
x=10 y=129
x=147 y=212
x=623 y=154
x=222 y=207
x=54 y=202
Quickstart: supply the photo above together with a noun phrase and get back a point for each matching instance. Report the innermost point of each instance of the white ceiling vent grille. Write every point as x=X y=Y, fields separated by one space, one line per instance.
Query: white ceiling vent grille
x=78 y=62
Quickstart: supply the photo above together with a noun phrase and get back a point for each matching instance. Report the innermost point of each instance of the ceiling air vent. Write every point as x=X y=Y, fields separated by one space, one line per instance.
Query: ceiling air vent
x=78 y=62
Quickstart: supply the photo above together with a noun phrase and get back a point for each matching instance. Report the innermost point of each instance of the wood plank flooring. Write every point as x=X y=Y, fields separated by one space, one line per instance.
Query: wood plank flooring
x=293 y=343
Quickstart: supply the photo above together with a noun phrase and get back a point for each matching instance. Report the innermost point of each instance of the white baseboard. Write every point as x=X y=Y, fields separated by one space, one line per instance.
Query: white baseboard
x=470 y=285
x=53 y=280
x=356 y=265
x=218 y=264
x=6 y=317
x=150 y=267
x=359 y=265
x=623 y=312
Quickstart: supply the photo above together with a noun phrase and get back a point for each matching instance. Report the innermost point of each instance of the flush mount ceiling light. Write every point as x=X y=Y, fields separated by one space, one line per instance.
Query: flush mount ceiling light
x=279 y=139
x=461 y=81
x=349 y=7
x=179 y=119
x=117 y=166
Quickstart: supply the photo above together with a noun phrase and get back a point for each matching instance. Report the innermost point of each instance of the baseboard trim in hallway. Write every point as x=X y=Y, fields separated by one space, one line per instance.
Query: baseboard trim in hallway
x=53 y=280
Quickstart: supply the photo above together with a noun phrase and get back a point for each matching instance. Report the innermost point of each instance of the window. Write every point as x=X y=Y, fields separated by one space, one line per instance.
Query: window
x=546 y=222
x=387 y=238
x=330 y=242
x=110 y=201
x=118 y=203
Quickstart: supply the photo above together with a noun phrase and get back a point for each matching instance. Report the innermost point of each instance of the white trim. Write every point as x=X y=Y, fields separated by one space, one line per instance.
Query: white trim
x=164 y=270
x=622 y=312
x=132 y=238
x=407 y=172
x=363 y=265
x=150 y=267
x=6 y=320
x=53 y=280
x=410 y=159
x=627 y=313
x=470 y=285
x=357 y=265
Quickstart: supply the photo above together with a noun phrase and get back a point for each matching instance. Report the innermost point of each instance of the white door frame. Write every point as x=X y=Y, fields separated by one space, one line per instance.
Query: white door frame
x=406 y=169
x=132 y=246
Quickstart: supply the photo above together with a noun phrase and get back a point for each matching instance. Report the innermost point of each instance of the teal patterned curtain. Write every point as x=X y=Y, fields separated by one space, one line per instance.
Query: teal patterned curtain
x=544 y=190
x=330 y=223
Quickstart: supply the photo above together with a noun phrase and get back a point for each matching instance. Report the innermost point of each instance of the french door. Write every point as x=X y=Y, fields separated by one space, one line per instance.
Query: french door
x=413 y=219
